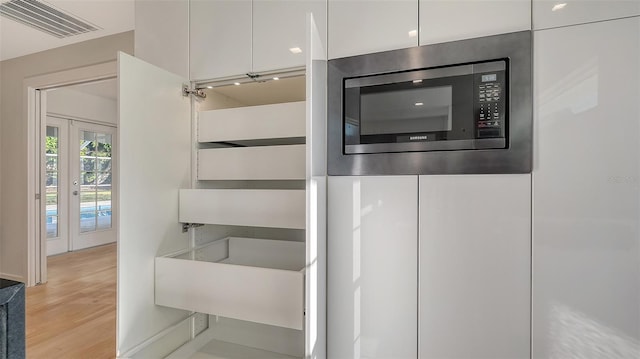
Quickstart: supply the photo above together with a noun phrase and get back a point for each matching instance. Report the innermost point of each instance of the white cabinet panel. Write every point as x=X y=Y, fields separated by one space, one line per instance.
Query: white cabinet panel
x=252 y=123
x=553 y=13
x=363 y=26
x=279 y=26
x=447 y=20
x=243 y=278
x=151 y=105
x=220 y=40
x=252 y=163
x=372 y=267
x=316 y=189
x=475 y=266
x=244 y=207
x=586 y=244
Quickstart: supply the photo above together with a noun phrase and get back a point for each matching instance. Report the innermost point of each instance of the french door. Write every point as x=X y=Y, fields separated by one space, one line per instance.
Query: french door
x=79 y=185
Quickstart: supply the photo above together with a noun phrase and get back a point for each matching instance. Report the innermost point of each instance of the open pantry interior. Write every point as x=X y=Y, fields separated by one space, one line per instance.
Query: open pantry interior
x=242 y=276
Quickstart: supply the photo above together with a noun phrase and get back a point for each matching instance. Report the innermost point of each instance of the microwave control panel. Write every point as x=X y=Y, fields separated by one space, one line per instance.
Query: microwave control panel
x=490 y=105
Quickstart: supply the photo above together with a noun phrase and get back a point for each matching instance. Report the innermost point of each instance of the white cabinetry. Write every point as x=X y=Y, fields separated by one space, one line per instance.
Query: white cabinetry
x=586 y=240
x=372 y=247
x=278 y=27
x=220 y=37
x=475 y=266
x=231 y=38
x=451 y=20
x=361 y=26
x=243 y=274
x=552 y=13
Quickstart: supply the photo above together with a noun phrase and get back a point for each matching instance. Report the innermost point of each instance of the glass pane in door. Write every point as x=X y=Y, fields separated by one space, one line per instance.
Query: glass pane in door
x=95 y=181
x=51 y=181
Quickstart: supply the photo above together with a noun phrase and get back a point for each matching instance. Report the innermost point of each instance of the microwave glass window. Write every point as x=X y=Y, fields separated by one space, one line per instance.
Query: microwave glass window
x=414 y=110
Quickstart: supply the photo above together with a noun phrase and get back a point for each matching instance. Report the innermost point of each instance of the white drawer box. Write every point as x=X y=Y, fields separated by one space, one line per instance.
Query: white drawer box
x=283 y=120
x=252 y=163
x=274 y=208
x=249 y=279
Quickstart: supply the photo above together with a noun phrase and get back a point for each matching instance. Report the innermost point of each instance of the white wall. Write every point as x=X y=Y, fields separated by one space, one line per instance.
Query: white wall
x=74 y=104
x=162 y=34
x=14 y=135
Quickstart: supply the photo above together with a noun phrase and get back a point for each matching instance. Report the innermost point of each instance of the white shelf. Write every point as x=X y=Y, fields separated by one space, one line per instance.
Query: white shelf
x=252 y=163
x=256 y=280
x=244 y=207
x=283 y=120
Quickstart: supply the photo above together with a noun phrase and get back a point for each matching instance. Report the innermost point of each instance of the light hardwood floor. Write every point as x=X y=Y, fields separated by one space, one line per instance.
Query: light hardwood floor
x=74 y=314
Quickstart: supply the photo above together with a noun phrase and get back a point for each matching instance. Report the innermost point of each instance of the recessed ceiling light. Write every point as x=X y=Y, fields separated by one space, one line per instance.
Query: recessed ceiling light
x=413 y=33
x=419 y=103
x=236 y=83
x=209 y=87
x=417 y=81
x=295 y=50
x=276 y=78
x=560 y=6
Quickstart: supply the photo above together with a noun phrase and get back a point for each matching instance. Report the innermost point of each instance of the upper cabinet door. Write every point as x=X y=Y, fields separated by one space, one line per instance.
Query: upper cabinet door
x=553 y=13
x=362 y=26
x=154 y=131
x=451 y=20
x=220 y=38
x=279 y=31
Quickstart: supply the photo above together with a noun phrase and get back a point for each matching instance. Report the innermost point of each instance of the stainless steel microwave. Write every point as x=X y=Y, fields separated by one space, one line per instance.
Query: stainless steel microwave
x=459 y=107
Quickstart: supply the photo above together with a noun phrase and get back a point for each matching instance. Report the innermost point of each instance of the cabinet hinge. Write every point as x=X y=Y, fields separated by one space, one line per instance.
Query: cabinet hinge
x=186 y=226
x=186 y=91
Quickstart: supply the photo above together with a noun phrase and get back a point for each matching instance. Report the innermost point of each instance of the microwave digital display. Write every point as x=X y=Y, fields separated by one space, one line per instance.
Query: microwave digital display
x=456 y=107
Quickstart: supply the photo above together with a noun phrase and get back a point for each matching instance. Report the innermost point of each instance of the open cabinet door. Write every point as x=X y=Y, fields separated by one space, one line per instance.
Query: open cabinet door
x=154 y=132
x=316 y=183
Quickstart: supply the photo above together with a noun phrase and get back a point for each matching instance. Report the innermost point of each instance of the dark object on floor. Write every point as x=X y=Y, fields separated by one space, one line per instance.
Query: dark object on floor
x=12 y=320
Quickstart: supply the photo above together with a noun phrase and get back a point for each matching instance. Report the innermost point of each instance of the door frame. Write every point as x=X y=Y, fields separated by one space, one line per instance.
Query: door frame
x=33 y=108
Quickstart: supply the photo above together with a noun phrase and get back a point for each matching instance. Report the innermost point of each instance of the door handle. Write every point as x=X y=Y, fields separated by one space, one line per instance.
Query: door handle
x=75 y=193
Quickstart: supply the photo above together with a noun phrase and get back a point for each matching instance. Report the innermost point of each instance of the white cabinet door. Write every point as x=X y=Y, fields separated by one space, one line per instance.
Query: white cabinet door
x=154 y=132
x=475 y=266
x=316 y=195
x=451 y=20
x=363 y=26
x=372 y=267
x=220 y=34
x=553 y=13
x=279 y=28
x=586 y=244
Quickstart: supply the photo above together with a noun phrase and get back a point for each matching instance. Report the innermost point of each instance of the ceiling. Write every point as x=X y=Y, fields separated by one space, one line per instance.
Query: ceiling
x=112 y=16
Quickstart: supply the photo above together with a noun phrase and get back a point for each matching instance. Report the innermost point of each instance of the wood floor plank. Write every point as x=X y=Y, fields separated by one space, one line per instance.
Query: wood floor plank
x=74 y=314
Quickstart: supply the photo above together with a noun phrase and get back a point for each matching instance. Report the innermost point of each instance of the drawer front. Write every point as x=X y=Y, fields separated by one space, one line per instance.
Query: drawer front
x=252 y=163
x=256 y=208
x=262 y=295
x=251 y=123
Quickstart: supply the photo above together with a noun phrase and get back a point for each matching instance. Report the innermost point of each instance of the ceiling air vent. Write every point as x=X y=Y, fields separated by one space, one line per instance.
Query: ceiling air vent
x=45 y=18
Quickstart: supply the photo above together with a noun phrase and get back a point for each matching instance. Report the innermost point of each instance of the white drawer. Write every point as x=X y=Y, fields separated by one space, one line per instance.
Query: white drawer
x=283 y=120
x=252 y=163
x=274 y=208
x=249 y=279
